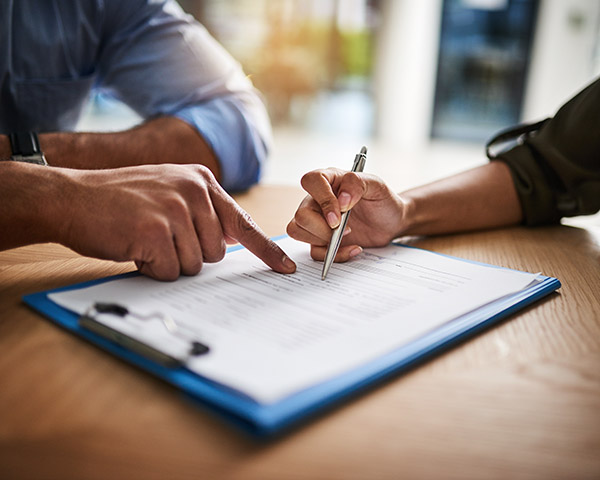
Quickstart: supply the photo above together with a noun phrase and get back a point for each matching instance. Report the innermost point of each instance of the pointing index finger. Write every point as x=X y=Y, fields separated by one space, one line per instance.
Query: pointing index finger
x=239 y=225
x=253 y=238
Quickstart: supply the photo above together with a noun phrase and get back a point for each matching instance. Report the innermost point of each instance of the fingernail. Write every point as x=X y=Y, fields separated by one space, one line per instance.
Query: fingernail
x=332 y=220
x=287 y=261
x=344 y=200
x=347 y=230
x=355 y=251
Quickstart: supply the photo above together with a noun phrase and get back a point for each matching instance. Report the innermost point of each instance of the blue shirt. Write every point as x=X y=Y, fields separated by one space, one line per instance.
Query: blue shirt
x=148 y=54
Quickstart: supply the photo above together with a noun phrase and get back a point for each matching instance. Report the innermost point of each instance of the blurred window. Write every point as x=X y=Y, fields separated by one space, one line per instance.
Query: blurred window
x=485 y=47
x=311 y=59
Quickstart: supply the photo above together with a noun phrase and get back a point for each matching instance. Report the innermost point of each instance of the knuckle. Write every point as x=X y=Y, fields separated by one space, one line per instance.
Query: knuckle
x=297 y=232
x=202 y=170
x=193 y=268
x=156 y=229
x=175 y=206
x=203 y=174
x=352 y=177
x=291 y=229
x=354 y=182
x=245 y=222
x=327 y=205
x=222 y=251
x=199 y=193
x=216 y=254
x=165 y=273
x=381 y=190
x=169 y=275
x=303 y=217
x=316 y=253
x=190 y=176
x=192 y=191
x=308 y=178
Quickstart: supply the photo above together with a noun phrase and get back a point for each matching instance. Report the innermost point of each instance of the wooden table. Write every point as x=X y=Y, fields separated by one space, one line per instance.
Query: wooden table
x=521 y=400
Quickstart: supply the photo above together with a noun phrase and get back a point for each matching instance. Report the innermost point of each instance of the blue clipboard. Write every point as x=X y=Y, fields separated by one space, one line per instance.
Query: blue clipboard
x=273 y=419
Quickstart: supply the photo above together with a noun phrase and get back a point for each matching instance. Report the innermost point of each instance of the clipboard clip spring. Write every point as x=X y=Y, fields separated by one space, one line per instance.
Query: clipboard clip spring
x=196 y=348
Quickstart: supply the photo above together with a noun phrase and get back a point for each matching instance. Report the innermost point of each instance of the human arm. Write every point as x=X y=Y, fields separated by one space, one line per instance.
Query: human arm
x=169 y=219
x=551 y=173
x=196 y=103
x=161 y=140
x=162 y=62
x=483 y=197
x=556 y=169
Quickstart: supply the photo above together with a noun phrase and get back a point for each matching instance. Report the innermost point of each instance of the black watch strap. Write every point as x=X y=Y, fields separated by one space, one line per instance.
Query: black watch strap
x=26 y=148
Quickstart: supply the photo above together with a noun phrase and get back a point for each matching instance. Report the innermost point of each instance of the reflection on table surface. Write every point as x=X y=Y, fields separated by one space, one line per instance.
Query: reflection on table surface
x=522 y=399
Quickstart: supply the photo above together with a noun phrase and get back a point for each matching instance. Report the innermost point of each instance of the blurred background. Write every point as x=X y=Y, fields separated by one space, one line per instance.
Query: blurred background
x=422 y=83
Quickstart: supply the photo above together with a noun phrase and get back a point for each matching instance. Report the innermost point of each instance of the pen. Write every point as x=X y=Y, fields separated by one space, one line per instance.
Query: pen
x=338 y=232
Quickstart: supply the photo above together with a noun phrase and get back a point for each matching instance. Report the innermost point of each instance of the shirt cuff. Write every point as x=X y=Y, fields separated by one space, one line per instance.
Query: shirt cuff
x=237 y=145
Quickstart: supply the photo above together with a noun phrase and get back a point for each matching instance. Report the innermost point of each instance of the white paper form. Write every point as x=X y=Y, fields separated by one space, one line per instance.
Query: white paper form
x=271 y=335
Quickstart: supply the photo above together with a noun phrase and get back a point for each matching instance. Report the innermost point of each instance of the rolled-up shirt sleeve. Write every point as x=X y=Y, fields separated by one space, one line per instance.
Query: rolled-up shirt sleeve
x=556 y=169
x=227 y=126
x=160 y=61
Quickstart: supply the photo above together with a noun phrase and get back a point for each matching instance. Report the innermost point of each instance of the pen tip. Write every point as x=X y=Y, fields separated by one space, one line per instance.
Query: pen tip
x=363 y=150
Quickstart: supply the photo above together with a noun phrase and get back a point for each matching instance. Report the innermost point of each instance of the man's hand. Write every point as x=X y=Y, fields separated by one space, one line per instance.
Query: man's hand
x=169 y=219
x=376 y=218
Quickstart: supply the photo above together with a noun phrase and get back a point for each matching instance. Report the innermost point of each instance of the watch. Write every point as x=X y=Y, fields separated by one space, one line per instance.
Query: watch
x=26 y=148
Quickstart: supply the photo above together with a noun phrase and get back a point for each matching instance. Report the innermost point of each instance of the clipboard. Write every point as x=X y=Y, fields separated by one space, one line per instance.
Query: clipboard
x=275 y=419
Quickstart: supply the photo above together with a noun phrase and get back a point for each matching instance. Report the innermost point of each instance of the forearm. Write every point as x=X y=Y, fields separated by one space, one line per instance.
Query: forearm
x=484 y=197
x=162 y=140
x=32 y=200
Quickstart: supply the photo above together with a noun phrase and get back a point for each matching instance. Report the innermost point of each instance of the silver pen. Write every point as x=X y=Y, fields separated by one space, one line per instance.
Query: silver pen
x=338 y=232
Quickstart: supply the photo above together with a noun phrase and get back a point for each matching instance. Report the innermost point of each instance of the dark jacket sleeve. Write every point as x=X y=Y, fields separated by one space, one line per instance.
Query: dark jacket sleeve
x=556 y=169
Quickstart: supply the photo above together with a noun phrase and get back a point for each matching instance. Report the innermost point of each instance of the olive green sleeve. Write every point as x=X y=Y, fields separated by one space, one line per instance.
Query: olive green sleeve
x=556 y=169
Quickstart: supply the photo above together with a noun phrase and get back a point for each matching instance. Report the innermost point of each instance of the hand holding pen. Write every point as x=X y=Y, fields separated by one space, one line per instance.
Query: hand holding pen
x=378 y=214
x=338 y=231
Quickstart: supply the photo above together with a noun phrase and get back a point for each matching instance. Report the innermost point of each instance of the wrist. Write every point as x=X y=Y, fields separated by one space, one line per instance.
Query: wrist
x=67 y=194
x=32 y=206
x=55 y=201
x=408 y=219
